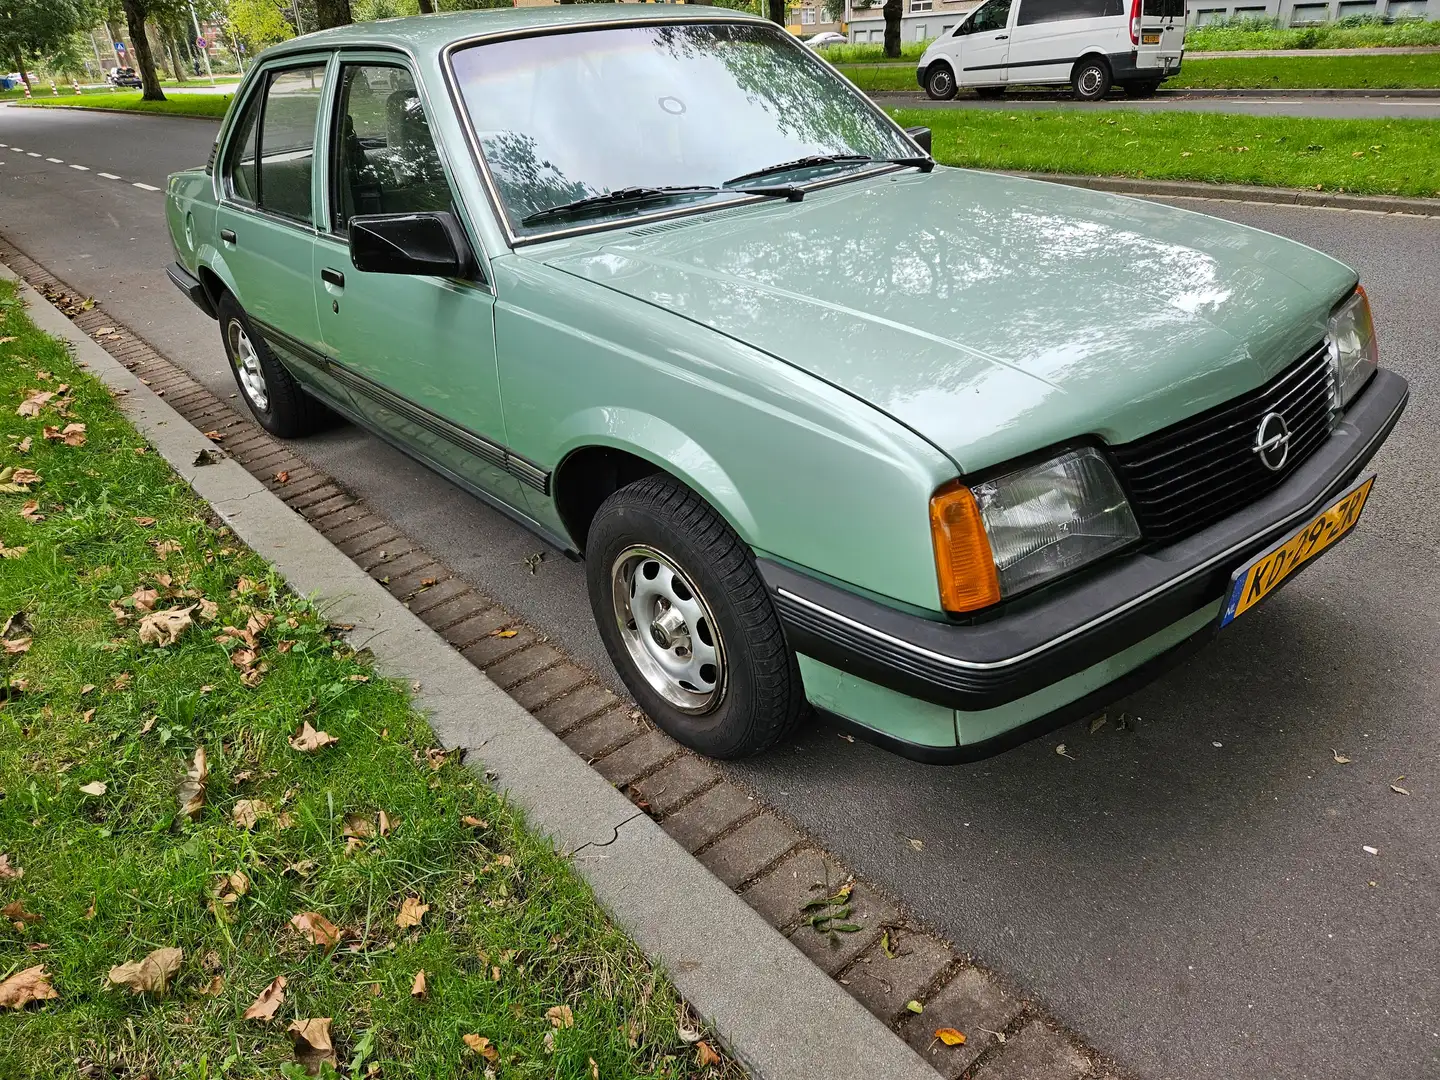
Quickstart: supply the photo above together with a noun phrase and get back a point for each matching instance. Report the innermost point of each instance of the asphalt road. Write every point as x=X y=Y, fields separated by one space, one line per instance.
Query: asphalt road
x=1276 y=104
x=1192 y=893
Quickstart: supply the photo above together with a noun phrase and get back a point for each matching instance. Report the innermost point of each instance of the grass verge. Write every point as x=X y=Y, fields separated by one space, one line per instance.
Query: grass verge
x=203 y=105
x=394 y=858
x=1344 y=34
x=1406 y=71
x=1376 y=157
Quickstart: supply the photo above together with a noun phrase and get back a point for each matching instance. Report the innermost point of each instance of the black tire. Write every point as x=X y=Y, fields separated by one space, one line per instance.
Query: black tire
x=286 y=410
x=1090 y=78
x=990 y=92
x=757 y=697
x=1141 y=89
x=940 y=81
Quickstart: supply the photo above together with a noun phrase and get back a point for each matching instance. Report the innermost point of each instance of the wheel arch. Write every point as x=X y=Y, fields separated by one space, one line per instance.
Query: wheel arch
x=1092 y=53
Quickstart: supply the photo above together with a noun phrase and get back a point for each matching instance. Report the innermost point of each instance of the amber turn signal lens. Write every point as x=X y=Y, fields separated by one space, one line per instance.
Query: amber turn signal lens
x=963 y=561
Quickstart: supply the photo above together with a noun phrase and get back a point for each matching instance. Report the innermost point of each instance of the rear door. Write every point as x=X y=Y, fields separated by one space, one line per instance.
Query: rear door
x=1050 y=35
x=985 y=52
x=1162 y=35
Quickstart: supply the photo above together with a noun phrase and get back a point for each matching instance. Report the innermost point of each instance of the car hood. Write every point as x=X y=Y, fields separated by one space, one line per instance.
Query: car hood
x=992 y=315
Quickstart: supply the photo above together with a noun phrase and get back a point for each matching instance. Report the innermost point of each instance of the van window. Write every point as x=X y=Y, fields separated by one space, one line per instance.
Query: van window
x=1044 y=11
x=1175 y=9
x=994 y=15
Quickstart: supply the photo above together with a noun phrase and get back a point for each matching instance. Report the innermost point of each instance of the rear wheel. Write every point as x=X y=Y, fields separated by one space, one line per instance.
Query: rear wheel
x=1091 y=78
x=990 y=92
x=275 y=399
x=1142 y=89
x=940 y=82
x=687 y=621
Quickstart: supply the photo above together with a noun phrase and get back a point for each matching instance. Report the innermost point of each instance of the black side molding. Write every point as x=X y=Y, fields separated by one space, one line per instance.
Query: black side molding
x=192 y=287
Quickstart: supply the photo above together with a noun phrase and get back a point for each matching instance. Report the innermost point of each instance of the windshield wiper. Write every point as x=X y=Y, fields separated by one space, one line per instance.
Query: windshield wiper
x=622 y=196
x=924 y=164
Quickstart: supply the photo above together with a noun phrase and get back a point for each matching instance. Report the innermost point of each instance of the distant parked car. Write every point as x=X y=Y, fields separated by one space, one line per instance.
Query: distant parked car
x=1090 y=44
x=819 y=41
x=122 y=76
x=952 y=455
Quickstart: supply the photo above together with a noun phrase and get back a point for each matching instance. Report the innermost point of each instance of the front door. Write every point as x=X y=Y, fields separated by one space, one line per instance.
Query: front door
x=417 y=353
x=984 y=57
x=265 y=218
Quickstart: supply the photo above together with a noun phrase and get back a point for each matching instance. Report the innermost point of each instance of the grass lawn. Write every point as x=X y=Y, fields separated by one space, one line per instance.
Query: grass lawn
x=1263 y=34
x=344 y=870
x=205 y=105
x=1412 y=70
x=1379 y=157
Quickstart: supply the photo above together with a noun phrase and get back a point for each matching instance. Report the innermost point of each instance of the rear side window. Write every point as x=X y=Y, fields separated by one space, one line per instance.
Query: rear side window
x=1046 y=11
x=272 y=156
x=1170 y=9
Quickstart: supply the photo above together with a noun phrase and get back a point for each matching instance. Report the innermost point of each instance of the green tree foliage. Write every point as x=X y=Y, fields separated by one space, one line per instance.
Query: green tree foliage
x=31 y=30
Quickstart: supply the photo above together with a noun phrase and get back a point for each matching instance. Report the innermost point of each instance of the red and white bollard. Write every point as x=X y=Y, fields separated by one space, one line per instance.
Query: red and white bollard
x=27 y=89
x=75 y=85
x=54 y=89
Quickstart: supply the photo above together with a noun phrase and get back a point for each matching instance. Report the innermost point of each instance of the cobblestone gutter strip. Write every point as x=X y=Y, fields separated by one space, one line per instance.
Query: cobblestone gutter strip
x=885 y=964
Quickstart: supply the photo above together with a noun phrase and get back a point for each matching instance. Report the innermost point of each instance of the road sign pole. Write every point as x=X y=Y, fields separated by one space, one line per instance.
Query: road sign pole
x=200 y=43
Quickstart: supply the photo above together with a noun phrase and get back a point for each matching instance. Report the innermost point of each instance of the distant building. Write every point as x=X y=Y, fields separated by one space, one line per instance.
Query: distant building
x=922 y=19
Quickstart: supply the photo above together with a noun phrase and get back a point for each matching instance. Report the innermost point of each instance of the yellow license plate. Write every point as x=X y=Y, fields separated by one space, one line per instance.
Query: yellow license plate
x=1149 y=39
x=1265 y=573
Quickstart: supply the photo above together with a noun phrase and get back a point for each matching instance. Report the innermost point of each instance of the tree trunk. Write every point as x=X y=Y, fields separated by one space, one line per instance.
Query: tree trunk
x=330 y=13
x=893 y=10
x=140 y=44
x=171 y=52
x=427 y=7
x=776 y=12
x=20 y=67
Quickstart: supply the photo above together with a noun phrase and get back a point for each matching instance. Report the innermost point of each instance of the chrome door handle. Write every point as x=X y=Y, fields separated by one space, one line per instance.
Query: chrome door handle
x=1002 y=37
x=228 y=235
x=333 y=276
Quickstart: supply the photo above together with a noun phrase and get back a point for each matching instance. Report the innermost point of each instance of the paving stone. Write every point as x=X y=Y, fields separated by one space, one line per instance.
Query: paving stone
x=402 y=585
x=474 y=627
x=699 y=822
x=362 y=525
x=433 y=596
x=358 y=545
x=491 y=648
x=506 y=673
x=398 y=563
x=459 y=607
x=637 y=757
x=575 y=706
x=783 y=890
x=603 y=733
x=675 y=783
x=883 y=984
x=971 y=1003
x=832 y=951
x=1035 y=1052
x=746 y=851
x=548 y=685
x=316 y=510
x=313 y=496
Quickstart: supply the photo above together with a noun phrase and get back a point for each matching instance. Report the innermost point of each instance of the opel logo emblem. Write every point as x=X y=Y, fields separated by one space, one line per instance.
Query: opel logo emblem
x=1272 y=441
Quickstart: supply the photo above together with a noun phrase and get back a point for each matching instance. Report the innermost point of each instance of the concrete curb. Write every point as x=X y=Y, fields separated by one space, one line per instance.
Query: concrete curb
x=118 y=112
x=780 y=1015
x=1378 y=204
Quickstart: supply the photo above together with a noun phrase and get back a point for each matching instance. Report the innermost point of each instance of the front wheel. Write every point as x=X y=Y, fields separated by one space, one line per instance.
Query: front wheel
x=687 y=621
x=940 y=82
x=1091 y=78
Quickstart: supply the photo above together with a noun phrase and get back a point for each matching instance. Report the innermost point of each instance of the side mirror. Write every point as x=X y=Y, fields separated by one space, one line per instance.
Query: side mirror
x=428 y=244
x=920 y=136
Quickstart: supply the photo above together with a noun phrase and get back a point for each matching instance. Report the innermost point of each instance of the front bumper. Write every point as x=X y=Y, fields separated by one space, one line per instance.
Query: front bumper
x=1036 y=642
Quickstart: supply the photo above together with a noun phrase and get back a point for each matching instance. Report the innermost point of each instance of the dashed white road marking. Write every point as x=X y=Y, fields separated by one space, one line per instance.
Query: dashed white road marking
x=82 y=168
x=108 y=175
x=55 y=160
x=145 y=187
x=32 y=153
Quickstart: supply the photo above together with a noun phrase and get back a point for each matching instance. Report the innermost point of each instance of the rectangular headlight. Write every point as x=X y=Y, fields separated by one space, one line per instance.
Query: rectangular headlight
x=1047 y=520
x=1354 y=353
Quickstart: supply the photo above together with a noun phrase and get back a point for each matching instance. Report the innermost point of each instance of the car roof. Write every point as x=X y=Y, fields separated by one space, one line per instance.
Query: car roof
x=430 y=33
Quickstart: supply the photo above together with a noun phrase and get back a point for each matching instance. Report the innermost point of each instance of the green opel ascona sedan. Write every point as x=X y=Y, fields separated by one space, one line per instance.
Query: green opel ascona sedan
x=953 y=457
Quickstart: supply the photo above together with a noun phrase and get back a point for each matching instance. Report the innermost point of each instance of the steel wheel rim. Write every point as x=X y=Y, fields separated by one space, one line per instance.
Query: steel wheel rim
x=668 y=629
x=247 y=367
x=940 y=82
x=1089 y=80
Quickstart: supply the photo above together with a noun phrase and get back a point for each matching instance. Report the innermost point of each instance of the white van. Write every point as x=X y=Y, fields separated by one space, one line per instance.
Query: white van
x=1090 y=44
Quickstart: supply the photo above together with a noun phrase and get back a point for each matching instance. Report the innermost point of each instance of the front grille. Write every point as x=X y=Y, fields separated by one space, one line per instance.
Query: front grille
x=1191 y=474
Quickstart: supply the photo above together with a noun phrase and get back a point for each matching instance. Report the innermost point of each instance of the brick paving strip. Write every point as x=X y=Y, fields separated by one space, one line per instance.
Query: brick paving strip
x=885 y=964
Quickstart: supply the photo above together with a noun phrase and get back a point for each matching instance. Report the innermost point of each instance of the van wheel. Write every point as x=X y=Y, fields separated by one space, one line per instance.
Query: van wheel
x=1141 y=89
x=275 y=399
x=1091 y=78
x=990 y=92
x=940 y=82
x=687 y=620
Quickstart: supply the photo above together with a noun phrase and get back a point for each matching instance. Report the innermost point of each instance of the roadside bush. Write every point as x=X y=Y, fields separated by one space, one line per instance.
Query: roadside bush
x=1351 y=32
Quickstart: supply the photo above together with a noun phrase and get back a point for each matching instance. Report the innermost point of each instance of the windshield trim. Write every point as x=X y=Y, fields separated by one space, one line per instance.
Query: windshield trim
x=497 y=205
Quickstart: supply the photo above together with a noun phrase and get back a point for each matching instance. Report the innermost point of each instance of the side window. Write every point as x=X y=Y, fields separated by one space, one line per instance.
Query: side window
x=995 y=15
x=385 y=161
x=1044 y=11
x=239 y=173
x=287 y=140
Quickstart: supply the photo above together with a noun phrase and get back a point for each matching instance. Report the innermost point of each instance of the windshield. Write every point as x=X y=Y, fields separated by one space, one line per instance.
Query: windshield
x=568 y=116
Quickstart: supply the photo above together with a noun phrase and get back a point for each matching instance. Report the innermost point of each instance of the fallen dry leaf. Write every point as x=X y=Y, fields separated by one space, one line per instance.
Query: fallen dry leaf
x=1340 y=759
x=1064 y=752
x=15 y=646
x=307 y=740
x=95 y=788
x=282 y=477
x=1399 y=790
x=162 y=628
x=313 y=1048
x=36 y=401
x=412 y=911
x=320 y=930
x=950 y=1037
x=15 y=912
x=30 y=511
x=505 y=633
x=209 y=609
x=23 y=446
x=481 y=1046
x=7 y=871
x=24 y=987
x=271 y=998
x=594 y=1070
x=192 y=791
x=164 y=548
x=418 y=988
x=560 y=1016
x=214 y=988
x=148 y=976
x=914 y=1006
x=705 y=1054
x=358 y=826
x=247 y=812
x=385 y=824
x=145 y=598
x=145 y=521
